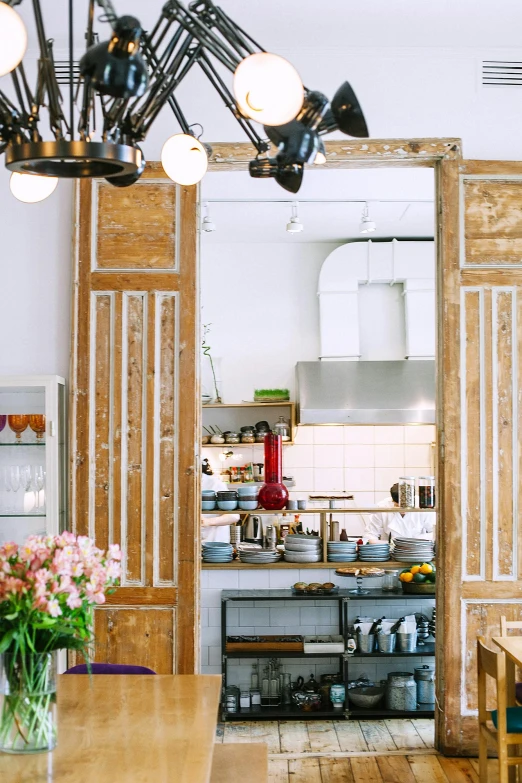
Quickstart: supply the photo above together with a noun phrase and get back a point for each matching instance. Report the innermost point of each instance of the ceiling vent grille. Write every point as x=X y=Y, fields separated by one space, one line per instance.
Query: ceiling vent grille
x=501 y=73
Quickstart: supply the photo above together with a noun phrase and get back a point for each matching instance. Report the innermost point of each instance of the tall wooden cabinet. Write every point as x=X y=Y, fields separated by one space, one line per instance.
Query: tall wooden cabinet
x=134 y=411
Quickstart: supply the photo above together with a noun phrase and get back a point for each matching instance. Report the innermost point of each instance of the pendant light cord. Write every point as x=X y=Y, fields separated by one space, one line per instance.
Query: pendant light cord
x=71 y=71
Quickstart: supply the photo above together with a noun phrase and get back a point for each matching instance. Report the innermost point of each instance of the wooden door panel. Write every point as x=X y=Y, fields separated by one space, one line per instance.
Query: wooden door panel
x=134 y=435
x=130 y=635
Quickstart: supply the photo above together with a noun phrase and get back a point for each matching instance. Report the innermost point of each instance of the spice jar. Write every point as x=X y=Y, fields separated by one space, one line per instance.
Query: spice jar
x=390 y=582
x=426 y=485
x=248 y=437
x=232 y=437
x=407 y=491
x=282 y=427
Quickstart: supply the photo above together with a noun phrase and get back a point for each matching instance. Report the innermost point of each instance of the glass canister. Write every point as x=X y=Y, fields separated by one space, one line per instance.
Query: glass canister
x=426 y=486
x=232 y=437
x=401 y=691
x=425 y=679
x=407 y=491
x=282 y=427
x=231 y=699
x=390 y=581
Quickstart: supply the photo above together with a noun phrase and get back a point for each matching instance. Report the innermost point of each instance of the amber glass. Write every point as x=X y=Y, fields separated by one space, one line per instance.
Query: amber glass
x=3 y=421
x=273 y=495
x=18 y=422
x=37 y=424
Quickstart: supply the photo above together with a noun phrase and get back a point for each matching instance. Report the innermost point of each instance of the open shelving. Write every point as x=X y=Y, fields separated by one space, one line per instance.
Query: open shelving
x=343 y=599
x=234 y=415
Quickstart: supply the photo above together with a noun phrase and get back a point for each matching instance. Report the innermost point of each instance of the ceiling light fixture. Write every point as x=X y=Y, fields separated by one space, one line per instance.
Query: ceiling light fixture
x=367 y=226
x=295 y=225
x=30 y=188
x=127 y=77
x=207 y=224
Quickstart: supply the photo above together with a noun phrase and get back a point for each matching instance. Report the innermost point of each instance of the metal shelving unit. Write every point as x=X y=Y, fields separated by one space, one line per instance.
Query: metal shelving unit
x=343 y=598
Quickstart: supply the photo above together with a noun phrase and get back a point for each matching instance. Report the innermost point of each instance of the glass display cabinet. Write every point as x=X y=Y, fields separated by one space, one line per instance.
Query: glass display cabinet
x=33 y=458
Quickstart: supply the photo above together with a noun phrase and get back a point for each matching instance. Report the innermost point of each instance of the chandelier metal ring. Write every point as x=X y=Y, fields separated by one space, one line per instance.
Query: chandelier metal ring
x=71 y=159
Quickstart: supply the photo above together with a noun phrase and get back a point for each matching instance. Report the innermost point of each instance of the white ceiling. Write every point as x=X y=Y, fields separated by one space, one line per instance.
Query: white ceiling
x=406 y=208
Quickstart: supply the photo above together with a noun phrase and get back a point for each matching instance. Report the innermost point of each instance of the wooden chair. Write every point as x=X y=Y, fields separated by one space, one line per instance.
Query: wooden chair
x=236 y=762
x=507 y=721
x=512 y=625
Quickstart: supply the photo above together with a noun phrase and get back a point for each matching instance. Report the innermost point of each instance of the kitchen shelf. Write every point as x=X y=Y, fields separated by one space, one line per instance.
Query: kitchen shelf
x=239 y=445
x=22 y=516
x=242 y=414
x=322 y=564
x=372 y=510
x=282 y=404
x=19 y=445
x=343 y=598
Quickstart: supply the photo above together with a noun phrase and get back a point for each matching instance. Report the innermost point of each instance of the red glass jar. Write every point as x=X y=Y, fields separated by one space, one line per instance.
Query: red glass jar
x=273 y=495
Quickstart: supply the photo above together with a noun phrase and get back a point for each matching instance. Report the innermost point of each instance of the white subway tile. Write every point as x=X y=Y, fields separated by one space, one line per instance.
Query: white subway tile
x=314 y=575
x=203 y=657
x=359 y=479
x=298 y=456
x=214 y=618
x=210 y=598
x=211 y=670
x=203 y=617
x=264 y=630
x=254 y=616
x=359 y=435
x=203 y=579
x=313 y=615
x=386 y=478
x=300 y=630
x=210 y=637
x=328 y=435
x=389 y=434
x=282 y=579
x=284 y=615
x=418 y=470
x=327 y=629
x=328 y=456
x=389 y=456
x=418 y=454
x=420 y=433
x=225 y=579
x=214 y=656
x=328 y=479
x=363 y=500
x=253 y=580
x=241 y=630
x=304 y=478
x=359 y=456
x=304 y=435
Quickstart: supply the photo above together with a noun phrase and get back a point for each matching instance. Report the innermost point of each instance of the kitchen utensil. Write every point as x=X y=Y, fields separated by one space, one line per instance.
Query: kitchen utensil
x=386 y=642
x=366 y=695
x=253 y=529
x=291 y=505
x=365 y=642
x=425 y=679
x=406 y=642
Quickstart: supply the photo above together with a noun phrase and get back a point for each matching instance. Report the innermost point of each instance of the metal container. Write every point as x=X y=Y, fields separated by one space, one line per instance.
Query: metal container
x=406 y=642
x=366 y=642
x=401 y=691
x=386 y=642
x=425 y=679
x=253 y=530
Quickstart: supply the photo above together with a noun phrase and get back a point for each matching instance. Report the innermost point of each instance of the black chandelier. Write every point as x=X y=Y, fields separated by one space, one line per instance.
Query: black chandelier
x=124 y=82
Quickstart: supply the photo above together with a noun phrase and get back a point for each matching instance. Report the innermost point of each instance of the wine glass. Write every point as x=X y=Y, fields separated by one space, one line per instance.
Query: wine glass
x=39 y=477
x=18 y=422
x=14 y=481
x=37 y=424
x=6 y=481
x=27 y=484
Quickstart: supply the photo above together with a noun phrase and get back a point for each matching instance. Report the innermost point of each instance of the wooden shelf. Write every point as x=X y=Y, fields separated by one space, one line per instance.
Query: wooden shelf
x=239 y=445
x=284 y=564
x=372 y=510
x=285 y=404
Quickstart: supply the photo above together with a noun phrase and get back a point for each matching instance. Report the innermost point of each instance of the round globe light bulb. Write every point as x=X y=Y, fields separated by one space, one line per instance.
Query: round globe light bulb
x=31 y=188
x=268 y=89
x=184 y=159
x=13 y=39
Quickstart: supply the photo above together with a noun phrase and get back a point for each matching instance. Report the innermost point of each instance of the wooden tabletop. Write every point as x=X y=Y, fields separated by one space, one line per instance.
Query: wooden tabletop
x=512 y=646
x=127 y=729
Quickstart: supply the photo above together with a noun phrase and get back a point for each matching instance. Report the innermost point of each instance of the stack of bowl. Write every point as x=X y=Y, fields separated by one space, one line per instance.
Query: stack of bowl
x=227 y=500
x=208 y=499
x=374 y=552
x=217 y=552
x=342 y=551
x=248 y=497
x=301 y=548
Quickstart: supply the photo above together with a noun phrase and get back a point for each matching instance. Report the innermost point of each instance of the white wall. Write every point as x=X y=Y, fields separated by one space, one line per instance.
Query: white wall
x=261 y=300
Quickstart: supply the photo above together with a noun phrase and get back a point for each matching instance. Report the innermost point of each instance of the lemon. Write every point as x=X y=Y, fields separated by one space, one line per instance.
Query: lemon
x=415 y=569
x=407 y=576
x=426 y=568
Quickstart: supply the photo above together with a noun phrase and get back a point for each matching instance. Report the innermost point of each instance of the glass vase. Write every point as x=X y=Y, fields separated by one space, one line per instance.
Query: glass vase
x=273 y=495
x=28 y=702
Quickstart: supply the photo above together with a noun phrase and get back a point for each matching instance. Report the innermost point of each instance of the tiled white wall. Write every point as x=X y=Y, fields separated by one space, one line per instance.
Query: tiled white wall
x=304 y=617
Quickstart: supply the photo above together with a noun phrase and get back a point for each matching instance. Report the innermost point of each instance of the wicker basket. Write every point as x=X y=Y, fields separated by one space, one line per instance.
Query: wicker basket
x=420 y=588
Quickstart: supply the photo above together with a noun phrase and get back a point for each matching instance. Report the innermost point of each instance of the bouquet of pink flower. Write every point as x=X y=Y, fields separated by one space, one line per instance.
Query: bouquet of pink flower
x=47 y=589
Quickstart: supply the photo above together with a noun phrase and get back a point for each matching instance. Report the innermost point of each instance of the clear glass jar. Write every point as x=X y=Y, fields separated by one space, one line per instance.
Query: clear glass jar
x=282 y=427
x=407 y=491
x=390 y=582
x=248 y=437
x=426 y=485
x=232 y=437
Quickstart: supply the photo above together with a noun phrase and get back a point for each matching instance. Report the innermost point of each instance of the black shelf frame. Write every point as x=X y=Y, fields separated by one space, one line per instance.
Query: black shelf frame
x=343 y=599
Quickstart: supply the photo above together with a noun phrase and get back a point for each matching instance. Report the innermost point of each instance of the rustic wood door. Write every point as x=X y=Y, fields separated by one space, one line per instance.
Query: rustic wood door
x=480 y=380
x=135 y=412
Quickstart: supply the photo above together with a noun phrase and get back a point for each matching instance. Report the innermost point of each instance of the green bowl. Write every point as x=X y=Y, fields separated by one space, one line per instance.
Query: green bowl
x=420 y=588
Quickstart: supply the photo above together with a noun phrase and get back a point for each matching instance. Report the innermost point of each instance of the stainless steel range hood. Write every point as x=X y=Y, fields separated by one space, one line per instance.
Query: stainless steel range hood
x=395 y=392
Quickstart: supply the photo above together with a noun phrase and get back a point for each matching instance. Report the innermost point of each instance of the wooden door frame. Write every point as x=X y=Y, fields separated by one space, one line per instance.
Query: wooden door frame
x=445 y=157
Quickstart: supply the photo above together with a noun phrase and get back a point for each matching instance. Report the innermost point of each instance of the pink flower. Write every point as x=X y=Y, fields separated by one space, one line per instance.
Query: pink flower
x=53 y=608
x=115 y=552
x=73 y=601
x=114 y=570
x=99 y=598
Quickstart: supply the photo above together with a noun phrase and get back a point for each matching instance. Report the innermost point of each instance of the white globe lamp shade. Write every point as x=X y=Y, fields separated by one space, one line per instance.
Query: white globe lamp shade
x=13 y=39
x=31 y=188
x=268 y=89
x=184 y=159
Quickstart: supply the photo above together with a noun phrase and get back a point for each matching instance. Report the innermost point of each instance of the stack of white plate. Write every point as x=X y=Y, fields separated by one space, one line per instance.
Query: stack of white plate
x=374 y=552
x=300 y=548
x=342 y=551
x=217 y=552
x=261 y=556
x=413 y=550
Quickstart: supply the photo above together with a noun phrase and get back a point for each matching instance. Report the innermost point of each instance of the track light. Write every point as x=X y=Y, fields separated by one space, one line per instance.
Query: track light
x=13 y=39
x=295 y=225
x=207 y=225
x=366 y=226
x=116 y=67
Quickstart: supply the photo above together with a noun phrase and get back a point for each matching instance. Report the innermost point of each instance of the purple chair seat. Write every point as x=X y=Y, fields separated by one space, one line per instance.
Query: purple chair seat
x=109 y=668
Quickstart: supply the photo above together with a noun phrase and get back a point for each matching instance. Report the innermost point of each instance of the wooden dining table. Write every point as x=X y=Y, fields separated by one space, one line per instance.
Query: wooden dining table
x=512 y=646
x=127 y=729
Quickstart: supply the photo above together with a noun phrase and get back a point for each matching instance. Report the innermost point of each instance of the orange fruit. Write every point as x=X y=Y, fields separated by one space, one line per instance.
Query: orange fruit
x=426 y=568
x=415 y=569
x=407 y=576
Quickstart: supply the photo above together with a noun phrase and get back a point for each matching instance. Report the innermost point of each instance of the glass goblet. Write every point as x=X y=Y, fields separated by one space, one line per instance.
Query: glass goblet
x=3 y=421
x=14 y=480
x=37 y=424
x=39 y=485
x=18 y=422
